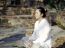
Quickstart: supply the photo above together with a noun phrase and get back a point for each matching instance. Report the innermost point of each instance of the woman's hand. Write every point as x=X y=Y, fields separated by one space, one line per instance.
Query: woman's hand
x=29 y=43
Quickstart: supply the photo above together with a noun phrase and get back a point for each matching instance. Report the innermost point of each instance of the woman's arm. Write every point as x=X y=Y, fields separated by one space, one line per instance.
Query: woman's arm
x=43 y=34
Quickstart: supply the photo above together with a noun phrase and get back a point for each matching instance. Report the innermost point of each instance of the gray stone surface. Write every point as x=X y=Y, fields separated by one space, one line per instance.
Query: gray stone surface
x=55 y=33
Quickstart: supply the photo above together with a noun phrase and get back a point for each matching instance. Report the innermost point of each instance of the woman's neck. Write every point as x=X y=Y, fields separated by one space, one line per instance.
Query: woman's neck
x=40 y=19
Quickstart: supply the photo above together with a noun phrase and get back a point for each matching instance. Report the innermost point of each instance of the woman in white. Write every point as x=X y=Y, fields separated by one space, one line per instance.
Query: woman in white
x=40 y=37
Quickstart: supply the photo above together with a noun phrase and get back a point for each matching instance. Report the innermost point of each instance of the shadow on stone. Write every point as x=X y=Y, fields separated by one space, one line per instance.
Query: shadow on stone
x=12 y=38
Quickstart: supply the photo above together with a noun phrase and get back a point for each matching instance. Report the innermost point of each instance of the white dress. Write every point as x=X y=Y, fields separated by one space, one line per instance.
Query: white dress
x=41 y=33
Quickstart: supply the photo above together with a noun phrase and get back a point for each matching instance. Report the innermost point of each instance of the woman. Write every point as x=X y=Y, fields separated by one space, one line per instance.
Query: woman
x=40 y=37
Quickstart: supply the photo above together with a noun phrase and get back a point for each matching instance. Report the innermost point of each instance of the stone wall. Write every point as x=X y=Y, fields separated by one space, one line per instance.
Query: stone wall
x=26 y=22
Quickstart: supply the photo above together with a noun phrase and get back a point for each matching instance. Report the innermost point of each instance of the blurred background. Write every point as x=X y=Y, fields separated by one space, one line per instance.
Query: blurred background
x=16 y=21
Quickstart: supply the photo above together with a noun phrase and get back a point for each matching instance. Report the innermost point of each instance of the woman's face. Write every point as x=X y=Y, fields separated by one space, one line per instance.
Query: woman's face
x=38 y=14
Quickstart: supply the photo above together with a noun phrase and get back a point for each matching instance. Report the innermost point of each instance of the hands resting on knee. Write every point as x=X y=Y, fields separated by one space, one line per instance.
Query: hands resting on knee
x=28 y=43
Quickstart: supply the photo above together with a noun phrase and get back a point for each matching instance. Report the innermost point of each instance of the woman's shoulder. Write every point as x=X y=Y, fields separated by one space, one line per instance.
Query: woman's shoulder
x=44 y=21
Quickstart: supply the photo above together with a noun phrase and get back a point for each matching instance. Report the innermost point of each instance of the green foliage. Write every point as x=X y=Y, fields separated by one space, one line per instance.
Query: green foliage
x=60 y=22
x=3 y=21
x=57 y=4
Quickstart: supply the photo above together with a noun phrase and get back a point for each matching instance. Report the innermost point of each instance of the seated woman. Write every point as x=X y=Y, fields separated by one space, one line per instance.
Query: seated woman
x=40 y=37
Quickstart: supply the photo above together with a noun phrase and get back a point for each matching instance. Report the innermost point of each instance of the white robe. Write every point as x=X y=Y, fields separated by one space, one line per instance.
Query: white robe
x=41 y=33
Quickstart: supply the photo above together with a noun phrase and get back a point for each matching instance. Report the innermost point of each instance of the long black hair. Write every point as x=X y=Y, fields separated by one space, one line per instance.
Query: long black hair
x=43 y=11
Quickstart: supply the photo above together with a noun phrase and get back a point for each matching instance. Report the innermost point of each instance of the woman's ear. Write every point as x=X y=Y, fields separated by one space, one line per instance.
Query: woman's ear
x=42 y=14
